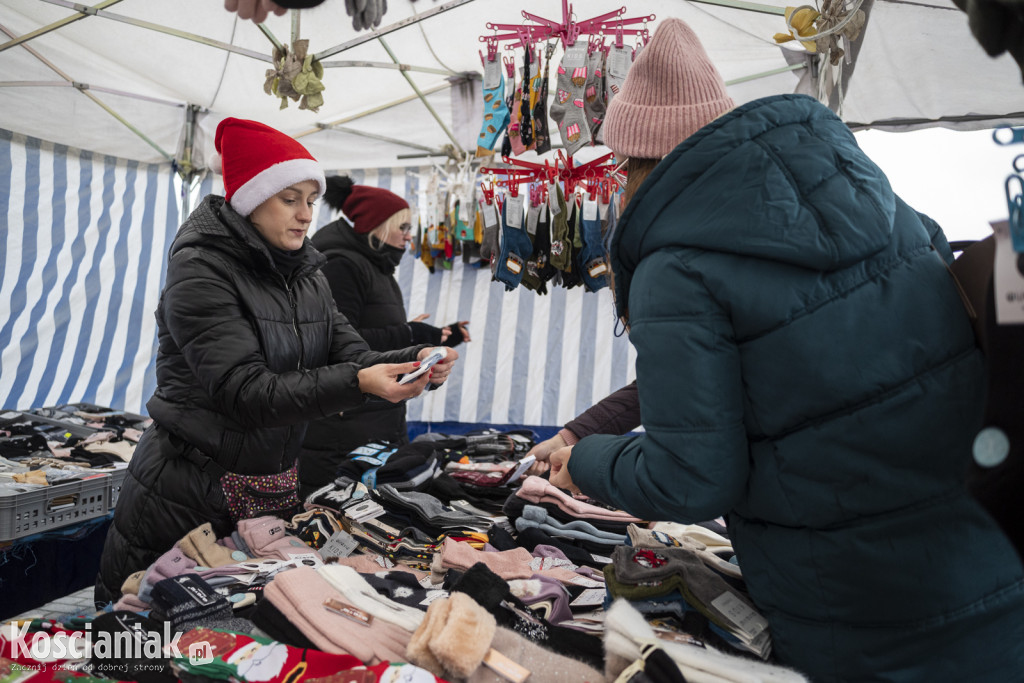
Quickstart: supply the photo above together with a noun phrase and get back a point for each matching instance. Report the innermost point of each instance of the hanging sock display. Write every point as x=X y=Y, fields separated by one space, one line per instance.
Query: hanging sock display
x=528 y=98
x=593 y=93
x=591 y=261
x=515 y=244
x=540 y=108
x=561 y=242
x=496 y=113
x=567 y=110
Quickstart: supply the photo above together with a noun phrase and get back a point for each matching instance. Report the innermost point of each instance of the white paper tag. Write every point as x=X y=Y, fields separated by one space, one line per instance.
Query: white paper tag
x=340 y=544
x=385 y=562
x=432 y=595
x=543 y=213
x=589 y=209
x=575 y=56
x=601 y=558
x=586 y=583
x=589 y=597
x=514 y=212
x=532 y=217
x=619 y=61
x=553 y=201
x=490 y=215
x=740 y=614
x=306 y=560
x=1007 y=279
x=492 y=75
x=426 y=582
x=602 y=210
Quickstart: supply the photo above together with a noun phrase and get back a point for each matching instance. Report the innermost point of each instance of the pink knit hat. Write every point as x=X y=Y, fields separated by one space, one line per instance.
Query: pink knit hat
x=672 y=91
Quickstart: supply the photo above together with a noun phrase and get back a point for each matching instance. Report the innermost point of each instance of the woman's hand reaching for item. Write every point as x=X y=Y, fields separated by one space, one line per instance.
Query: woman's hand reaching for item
x=560 y=470
x=382 y=380
x=439 y=373
x=542 y=452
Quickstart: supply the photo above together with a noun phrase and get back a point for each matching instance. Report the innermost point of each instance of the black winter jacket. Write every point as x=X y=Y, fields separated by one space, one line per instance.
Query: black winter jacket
x=245 y=359
x=364 y=288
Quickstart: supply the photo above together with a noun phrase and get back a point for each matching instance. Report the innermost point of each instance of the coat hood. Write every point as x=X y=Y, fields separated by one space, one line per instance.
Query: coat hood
x=780 y=178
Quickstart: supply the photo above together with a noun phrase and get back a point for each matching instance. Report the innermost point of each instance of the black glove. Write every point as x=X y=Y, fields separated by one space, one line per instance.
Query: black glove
x=456 y=337
x=422 y=333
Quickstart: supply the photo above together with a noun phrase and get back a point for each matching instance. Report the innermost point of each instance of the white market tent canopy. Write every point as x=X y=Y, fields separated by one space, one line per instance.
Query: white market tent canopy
x=916 y=63
x=96 y=103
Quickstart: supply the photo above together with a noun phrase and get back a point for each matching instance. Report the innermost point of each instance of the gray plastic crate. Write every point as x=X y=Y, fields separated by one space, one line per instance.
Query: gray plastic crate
x=53 y=507
x=116 y=480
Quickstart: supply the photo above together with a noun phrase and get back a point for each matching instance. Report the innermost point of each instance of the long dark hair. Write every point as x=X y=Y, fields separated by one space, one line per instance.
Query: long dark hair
x=637 y=170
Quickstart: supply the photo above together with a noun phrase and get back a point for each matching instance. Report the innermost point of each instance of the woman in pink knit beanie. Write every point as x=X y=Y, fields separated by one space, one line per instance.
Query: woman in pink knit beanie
x=806 y=367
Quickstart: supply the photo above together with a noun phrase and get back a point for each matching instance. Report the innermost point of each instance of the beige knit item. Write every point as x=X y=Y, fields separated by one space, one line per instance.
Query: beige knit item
x=672 y=91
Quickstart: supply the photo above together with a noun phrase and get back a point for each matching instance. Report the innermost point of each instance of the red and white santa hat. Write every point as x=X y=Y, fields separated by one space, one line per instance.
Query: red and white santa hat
x=258 y=162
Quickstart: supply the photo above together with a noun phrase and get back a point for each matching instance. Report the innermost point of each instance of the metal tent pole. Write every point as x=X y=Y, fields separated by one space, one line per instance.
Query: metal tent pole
x=87 y=86
x=423 y=98
x=368 y=112
x=83 y=13
x=186 y=169
x=165 y=29
x=408 y=21
x=84 y=90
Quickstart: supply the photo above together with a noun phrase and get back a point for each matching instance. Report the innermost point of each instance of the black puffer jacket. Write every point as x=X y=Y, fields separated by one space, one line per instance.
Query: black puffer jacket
x=245 y=359
x=363 y=284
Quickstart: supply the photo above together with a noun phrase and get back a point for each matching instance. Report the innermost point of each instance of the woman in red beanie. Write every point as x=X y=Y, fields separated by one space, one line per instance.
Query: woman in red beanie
x=362 y=254
x=251 y=348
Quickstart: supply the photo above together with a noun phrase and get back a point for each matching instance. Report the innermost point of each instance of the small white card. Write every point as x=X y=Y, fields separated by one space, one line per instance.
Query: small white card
x=619 y=61
x=1008 y=279
x=514 y=212
x=589 y=597
x=340 y=544
x=739 y=613
x=532 y=218
x=490 y=215
x=589 y=209
x=553 y=200
x=492 y=74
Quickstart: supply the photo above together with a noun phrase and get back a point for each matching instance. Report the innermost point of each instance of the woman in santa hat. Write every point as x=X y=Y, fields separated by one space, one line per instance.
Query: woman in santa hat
x=251 y=348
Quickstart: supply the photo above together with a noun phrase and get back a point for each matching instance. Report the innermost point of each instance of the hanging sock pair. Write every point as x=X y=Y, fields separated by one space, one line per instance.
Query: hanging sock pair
x=568 y=108
x=496 y=113
x=591 y=260
x=515 y=244
x=593 y=94
x=561 y=243
x=541 y=133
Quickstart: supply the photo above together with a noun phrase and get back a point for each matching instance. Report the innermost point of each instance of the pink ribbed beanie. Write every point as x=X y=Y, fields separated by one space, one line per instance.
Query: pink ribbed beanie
x=672 y=91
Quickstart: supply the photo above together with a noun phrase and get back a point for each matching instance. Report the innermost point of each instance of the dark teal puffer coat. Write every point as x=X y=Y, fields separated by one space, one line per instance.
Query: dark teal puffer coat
x=806 y=367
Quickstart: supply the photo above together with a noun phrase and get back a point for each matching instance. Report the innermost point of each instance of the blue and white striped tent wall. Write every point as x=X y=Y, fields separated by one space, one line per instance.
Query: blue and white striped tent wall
x=85 y=241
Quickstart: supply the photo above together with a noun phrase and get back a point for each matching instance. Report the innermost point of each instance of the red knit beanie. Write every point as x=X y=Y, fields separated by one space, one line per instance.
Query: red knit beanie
x=258 y=162
x=368 y=207
x=671 y=91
